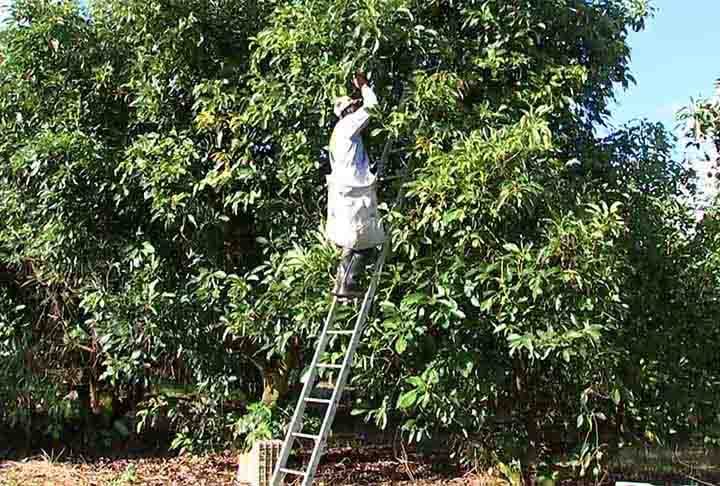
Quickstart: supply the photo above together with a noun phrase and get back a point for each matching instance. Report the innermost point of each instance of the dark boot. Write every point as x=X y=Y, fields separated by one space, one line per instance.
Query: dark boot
x=350 y=272
x=342 y=271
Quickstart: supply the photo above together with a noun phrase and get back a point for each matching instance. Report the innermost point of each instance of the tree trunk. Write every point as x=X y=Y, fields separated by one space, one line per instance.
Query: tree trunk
x=525 y=398
x=276 y=376
x=531 y=456
x=275 y=386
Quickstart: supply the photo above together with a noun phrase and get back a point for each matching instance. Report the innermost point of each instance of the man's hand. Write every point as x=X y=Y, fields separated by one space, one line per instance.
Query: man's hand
x=360 y=80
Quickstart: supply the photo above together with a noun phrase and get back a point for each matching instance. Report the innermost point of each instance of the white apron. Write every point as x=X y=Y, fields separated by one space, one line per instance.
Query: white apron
x=353 y=220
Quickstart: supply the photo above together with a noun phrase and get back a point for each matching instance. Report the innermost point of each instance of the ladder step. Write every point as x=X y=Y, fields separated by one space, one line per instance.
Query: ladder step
x=306 y=436
x=293 y=472
x=350 y=300
x=318 y=400
x=341 y=333
x=330 y=366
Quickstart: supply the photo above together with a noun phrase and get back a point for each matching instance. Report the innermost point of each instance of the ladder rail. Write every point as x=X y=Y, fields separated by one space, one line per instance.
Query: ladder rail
x=306 y=391
x=341 y=381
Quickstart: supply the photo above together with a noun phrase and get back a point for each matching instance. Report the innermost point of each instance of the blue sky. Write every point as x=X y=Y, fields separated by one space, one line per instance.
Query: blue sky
x=675 y=58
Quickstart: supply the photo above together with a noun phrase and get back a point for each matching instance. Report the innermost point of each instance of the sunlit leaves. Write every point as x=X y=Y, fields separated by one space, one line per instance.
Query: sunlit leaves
x=163 y=199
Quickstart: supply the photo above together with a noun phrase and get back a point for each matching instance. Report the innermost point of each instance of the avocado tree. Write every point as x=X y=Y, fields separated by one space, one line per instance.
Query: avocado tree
x=163 y=192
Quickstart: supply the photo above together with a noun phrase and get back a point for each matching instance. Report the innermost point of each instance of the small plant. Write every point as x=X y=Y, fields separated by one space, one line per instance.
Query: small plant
x=52 y=457
x=259 y=423
x=711 y=442
x=512 y=472
x=128 y=476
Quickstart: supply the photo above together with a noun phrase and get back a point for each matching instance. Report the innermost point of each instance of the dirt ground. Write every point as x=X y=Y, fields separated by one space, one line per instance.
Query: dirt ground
x=367 y=466
x=341 y=468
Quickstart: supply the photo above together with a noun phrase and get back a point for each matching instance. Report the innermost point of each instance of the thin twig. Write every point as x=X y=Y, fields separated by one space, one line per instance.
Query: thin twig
x=405 y=462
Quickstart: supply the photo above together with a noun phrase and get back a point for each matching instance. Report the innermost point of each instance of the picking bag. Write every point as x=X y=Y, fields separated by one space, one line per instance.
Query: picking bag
x=352 y=220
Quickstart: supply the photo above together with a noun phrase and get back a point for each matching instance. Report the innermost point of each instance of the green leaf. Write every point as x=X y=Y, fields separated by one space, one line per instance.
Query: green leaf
x=401 y=345
x=407 y=400
x=415 y=298
x=468 y=369
x=451 y=216
x=487 y=304
x=416 y=381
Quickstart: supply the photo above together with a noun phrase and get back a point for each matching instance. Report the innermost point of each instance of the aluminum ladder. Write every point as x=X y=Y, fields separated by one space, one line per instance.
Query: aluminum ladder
x=328 y=332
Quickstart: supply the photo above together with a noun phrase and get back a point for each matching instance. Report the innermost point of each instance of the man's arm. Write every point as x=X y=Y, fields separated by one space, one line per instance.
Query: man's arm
x=369 y=98
x=359 y=120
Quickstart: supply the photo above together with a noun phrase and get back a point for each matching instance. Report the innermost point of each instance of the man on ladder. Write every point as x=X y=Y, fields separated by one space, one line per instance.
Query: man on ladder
x=352 y=220
x=353 y=224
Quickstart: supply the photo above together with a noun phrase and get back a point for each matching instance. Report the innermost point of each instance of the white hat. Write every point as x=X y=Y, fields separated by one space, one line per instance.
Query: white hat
x=341 y=105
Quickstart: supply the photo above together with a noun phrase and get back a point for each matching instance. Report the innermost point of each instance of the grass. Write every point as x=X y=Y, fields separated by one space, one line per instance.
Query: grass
x=52 y=457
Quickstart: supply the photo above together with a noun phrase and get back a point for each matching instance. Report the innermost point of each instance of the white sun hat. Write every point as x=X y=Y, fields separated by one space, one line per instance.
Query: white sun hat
x=341 y=105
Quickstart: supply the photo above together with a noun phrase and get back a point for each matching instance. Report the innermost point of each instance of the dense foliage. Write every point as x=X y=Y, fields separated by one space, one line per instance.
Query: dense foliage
x=161 y=183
